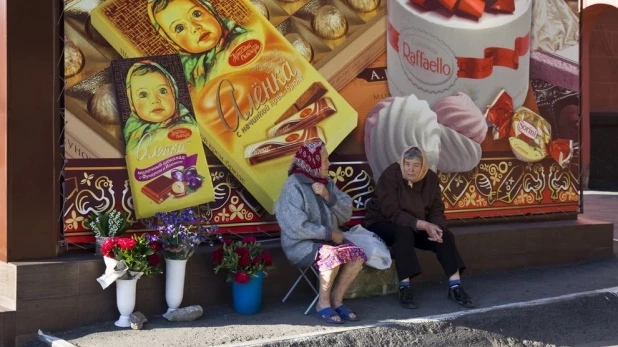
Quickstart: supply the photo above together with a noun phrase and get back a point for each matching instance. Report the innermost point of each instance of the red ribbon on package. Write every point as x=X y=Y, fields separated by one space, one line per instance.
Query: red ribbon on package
x=562 y=151
x=499 y=114
x=479 y=68
x=474 y=8
x=528 y=127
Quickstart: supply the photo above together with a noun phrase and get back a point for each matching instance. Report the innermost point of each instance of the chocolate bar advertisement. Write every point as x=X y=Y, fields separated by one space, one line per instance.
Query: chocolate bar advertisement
x=202 y=104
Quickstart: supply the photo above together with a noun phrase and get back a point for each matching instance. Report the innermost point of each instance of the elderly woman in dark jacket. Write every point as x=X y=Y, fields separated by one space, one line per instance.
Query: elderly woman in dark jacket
x=309 y=211
x=408 y=213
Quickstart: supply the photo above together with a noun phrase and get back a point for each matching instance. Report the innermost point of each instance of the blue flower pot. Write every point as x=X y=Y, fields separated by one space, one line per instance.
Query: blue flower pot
x=248 y=296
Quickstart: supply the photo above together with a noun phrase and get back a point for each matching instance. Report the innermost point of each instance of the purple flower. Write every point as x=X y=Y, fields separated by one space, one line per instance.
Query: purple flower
x=181 y=228
x=152 y=237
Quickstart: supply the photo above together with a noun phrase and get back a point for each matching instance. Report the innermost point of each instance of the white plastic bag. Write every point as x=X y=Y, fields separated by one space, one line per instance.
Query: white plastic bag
x=378 y=255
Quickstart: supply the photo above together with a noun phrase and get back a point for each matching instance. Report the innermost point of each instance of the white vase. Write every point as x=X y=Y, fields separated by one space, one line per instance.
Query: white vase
x=174 y=283
x=125 y=300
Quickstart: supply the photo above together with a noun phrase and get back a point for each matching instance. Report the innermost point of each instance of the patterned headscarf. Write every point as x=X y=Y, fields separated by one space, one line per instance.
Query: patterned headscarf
x=197 y=66
x=135 y=127
x=424 y=165
x=308 y=161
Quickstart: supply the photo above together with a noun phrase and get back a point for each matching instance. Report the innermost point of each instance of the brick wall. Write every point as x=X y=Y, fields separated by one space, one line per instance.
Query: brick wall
x=604 y=64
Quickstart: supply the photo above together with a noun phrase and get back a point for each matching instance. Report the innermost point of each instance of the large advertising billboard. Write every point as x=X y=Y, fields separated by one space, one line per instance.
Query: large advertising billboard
x=226 y=90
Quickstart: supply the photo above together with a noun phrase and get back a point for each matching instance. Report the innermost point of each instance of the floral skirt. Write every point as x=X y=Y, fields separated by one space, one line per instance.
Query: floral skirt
x=329 y=257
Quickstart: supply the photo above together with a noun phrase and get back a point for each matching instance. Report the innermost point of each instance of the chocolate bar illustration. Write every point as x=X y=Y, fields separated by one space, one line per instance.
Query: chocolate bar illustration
x=309 y=96
x=158 y=189
x=287 y=114
x=306 y=118
x=282 y=145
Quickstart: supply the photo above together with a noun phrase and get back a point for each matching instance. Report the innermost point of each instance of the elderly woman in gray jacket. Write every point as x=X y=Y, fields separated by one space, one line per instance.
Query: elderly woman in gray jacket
x=310 y=210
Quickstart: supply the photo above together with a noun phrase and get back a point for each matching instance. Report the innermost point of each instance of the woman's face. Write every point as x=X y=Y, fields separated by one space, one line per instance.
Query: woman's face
x=325 y=165
x=411 y=168
x=152 y=97
x=190 y=25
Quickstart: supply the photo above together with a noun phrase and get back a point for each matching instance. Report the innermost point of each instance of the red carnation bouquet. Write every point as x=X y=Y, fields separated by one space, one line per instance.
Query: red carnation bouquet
x=242 y=259
x=140 y=255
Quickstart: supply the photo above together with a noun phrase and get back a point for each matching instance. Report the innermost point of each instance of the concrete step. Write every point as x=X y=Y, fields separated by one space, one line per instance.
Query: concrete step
x=7 y=327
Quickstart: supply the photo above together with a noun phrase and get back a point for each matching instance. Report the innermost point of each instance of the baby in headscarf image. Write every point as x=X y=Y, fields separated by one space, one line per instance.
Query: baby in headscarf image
x=197 y=32
x=153 y=97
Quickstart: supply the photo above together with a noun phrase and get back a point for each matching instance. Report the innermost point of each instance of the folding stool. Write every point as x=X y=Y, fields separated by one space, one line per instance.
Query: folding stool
x=303 y=274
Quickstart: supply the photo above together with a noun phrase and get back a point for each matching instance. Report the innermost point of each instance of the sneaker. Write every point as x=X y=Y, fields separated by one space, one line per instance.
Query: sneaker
x=406 y=297
x=459 y=295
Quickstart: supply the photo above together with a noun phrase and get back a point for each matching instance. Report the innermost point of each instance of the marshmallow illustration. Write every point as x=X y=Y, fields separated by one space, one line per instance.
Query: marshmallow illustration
x=459 y=113
x=396 y=123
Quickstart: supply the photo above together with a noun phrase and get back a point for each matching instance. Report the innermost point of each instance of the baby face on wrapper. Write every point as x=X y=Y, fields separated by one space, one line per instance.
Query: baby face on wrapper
x=153 y=97
x=189 y=24
x=195 y=29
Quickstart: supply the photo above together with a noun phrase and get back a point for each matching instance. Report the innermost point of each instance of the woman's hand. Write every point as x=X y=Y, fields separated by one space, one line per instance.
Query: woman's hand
x=320 y=189
x=434 y=231
x=337 y=236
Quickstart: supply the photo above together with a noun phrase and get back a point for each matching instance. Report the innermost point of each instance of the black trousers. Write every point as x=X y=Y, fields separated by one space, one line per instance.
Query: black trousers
x=403 y=241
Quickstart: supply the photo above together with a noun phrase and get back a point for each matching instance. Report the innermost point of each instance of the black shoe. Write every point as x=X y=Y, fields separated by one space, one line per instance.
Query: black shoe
x=459 y=295
x=406 y=297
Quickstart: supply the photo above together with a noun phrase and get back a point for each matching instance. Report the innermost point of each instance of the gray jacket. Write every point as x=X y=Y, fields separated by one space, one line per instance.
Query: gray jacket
x=306 y=219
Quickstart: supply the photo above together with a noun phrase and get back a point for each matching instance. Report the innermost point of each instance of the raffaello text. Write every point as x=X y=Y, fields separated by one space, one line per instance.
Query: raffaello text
x=418 y=58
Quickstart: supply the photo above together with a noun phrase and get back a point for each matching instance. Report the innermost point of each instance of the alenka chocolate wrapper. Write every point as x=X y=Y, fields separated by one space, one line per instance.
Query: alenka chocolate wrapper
x=529 y=133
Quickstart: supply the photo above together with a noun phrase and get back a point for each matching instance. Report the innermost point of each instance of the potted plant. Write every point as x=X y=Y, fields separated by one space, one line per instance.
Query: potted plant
x=106 y=225
x=137 y=257
x=179 y=237
x=246 y=264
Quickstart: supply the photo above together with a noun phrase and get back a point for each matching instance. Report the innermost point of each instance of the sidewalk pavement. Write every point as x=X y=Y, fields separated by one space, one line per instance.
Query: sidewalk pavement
x=221 y=325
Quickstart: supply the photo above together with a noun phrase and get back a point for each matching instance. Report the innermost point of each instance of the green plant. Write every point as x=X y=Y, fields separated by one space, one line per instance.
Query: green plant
x=110 y=224
x=242 y=259
x=137 y=252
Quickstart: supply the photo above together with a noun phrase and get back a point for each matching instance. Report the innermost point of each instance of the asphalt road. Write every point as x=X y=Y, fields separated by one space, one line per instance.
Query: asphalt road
x=574 y=322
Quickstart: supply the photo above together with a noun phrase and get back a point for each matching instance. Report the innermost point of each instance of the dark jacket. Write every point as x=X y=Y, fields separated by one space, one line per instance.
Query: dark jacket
x=396 y=202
